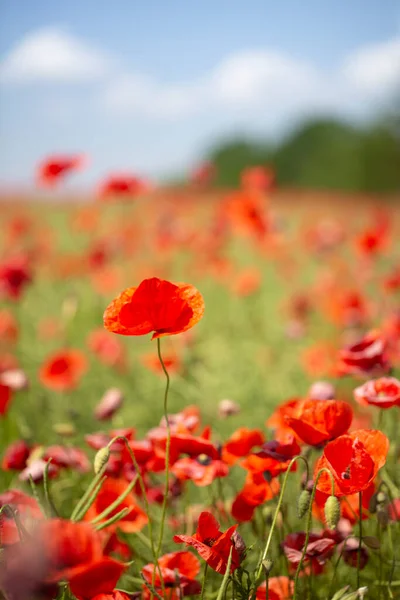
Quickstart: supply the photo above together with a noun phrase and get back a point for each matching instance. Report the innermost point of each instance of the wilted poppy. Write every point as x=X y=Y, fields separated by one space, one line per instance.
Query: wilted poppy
x=354 y=460
x=63 y=370
x=318 y=550
x=213 y=545
x=383 y=392
x=318 y=421
x=366 y=357
x=55 y=167
x=178 y=571
x=133 y=521
x=155 y=305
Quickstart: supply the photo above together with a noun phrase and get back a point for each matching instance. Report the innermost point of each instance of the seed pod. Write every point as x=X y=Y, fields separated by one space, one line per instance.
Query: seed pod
x=267 y=565
x=332 y=512
x=303 y=503
x=101 y=459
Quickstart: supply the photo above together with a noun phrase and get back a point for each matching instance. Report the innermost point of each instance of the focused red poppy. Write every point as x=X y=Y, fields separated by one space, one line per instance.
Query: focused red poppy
x=213 y=545
x=318 y=421
x=155 y=305
x=136 y=518
x=178 y=571
x=277 y=421
x=56 y=167
x=259 y=487
x=367 y=357
x=63 y=370
x=383 y=392
x=354 y=460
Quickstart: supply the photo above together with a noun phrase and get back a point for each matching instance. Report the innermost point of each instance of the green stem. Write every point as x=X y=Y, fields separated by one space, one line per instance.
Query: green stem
x=167 y=452
x=359 y=537
x=308 y=526
x=271 y=531
x=203 y=586
x=107 y=511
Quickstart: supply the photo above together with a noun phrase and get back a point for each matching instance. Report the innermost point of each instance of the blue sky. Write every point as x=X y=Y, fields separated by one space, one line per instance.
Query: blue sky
x=146 y=86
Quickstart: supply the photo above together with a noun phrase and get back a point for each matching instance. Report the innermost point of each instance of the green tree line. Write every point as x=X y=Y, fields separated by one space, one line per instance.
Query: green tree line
x=323 y=153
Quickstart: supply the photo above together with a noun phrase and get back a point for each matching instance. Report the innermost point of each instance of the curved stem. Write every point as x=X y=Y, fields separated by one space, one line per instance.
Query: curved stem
x=308 y=526
x=271 y=531
x=167 y=452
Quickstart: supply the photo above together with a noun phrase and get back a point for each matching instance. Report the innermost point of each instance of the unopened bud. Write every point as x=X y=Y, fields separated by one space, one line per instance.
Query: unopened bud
x=101 y=459
x=373 y=504
x=303 y=503
x=382 y=514
x=239 y=544
x=332 y=512
x=267 y=565
x=381 y=498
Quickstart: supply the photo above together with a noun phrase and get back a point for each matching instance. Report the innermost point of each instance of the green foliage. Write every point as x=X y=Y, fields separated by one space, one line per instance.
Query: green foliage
x=322 y=154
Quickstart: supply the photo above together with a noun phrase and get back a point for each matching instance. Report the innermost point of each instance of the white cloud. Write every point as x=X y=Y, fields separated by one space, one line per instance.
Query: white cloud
x=53 y=55
x=375 y=68
x=265 y=78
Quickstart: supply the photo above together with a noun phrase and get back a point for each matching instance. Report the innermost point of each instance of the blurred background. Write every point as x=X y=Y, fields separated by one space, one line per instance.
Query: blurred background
x=156 y=88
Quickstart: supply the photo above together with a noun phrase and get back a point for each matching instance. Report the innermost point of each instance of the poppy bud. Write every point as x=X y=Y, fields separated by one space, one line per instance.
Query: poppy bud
x=382 y=514
x=239 y=544
x=332 y=512
x=267 y=565
x=381 y=498
x=373 y=503
x=101 y=459
x=303 y=503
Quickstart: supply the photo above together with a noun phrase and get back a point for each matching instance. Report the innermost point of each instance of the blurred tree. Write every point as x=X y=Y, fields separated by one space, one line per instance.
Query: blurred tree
x=323 y=153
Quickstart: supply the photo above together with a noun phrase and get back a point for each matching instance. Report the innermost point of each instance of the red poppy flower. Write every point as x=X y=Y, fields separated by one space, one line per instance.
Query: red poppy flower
x=54 y=168
x=277 y=421
x=15 y=274
x=171 y=361
x=319 y=549
x=202 y=470
x=68 y=457
x=28 y=510
x=279 y=588
x=178 y=570
x=136 y=518
x=259 y=487
x=63 y=370
x=155 y=305
x=213 y=545
x=5 y=398
x=8 y=327
x=16 y=456
x=181 y=443
x=122 y=185
x=383 y=392
x=354 y=460
x=110 y=403
x=241 y=443
x=115 y=595
x=257 y=178
x=352 y=556
x=107 y=348
x=318 y=421
x=366 y=357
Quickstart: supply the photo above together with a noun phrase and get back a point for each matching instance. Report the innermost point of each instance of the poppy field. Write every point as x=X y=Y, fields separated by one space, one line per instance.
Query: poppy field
x=199 y=393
